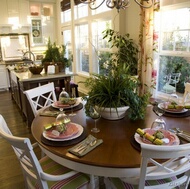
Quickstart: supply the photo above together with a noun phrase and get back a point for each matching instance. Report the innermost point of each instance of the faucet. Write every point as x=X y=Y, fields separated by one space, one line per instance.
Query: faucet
x=30 y=53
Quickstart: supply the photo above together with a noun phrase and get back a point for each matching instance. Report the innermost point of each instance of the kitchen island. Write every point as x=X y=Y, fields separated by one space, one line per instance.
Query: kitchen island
x=20 y=82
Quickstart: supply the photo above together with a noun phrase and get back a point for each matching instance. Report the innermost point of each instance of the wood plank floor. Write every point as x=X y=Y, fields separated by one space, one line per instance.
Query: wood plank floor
x=10 y=172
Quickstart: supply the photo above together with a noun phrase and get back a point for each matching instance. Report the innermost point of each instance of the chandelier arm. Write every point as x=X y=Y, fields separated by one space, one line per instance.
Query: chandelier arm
x=108 y=4
x=94 y=8
x=126 y=4
x=118 y=4
x=144 y=5
x=87 y=2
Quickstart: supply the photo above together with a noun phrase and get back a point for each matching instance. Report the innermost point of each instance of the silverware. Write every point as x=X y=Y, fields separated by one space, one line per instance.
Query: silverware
x=81 y=148
x=91 y=144
x=180 y=133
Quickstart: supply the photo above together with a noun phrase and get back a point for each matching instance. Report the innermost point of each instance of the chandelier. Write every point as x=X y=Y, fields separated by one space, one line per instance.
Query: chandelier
x=118 y=4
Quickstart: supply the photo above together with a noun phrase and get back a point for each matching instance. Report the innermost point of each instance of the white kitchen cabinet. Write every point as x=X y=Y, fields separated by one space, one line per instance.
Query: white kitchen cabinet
x=14 y=12
x=3 y=12
x=24 y=14
x=4 y=81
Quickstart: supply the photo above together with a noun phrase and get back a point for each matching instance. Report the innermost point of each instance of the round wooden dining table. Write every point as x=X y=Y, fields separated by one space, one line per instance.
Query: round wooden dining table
x=118 y=155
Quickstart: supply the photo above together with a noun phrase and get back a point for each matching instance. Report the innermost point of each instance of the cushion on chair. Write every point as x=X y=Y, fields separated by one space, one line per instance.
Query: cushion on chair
x=75 y=182
x=169 y=88
x=119 y=184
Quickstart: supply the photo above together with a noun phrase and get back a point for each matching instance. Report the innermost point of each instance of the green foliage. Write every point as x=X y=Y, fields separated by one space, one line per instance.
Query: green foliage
x=174 y=64
x=116 y=89
x=127 y=50
x=56 y=54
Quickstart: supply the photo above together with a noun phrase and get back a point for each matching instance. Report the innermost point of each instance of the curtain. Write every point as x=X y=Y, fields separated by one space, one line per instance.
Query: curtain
x=147 y=43
x=65 y=5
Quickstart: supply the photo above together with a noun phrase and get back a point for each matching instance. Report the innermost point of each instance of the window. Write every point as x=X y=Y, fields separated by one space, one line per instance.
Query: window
x=86 y=28
x=82 y=50
x=173 y=30
x=101 y=48
x=67 y=42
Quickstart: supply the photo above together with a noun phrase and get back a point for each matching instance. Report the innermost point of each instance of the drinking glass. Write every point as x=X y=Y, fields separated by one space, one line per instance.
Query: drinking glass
x=72 y=101
x=61 y=116
x=159 y=123
x=95 y=116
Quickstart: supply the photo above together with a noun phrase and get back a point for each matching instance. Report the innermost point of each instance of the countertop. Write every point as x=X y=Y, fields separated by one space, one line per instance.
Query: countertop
x=28 y=76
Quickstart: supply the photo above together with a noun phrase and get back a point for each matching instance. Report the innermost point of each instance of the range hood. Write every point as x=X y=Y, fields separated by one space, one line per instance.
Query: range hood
x=13 y=46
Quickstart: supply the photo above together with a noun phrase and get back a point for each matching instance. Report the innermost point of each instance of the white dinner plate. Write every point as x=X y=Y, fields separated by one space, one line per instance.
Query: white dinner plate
x=80 y=131
x=67 y=107
x=175 y=111
x=173 y=139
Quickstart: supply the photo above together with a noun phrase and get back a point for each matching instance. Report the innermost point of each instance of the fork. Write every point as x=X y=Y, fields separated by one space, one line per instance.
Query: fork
x=180 y=133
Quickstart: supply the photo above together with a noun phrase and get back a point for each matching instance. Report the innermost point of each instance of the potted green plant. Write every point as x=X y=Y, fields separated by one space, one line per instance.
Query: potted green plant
x=114 y=90
x=55 y=55
x=125 y=51
x=116 y=86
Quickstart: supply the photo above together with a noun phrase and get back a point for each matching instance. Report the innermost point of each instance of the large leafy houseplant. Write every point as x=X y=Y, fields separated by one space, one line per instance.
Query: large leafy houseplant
x=56 y=55
x=116 y=85
x=125 y=51
x=116 y=89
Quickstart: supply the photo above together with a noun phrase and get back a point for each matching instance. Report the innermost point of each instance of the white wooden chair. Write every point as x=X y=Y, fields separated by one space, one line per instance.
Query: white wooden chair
x=186 y=95
x=174 y=170
x=41 y=97
x=172 y=80
x=43 y=173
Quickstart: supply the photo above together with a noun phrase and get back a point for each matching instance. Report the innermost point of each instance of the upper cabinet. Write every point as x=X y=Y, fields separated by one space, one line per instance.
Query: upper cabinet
x=41 y=9
x=42 y=22
x=3 y=12
x=14 y=12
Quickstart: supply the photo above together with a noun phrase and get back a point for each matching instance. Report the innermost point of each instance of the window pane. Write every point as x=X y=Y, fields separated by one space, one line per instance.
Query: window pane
x=102 y=8
x=170 y=65
x=81 y=11
x=175 y=30
x=82 y=54
x=97 y=29
x=66 y=16
x=68 y=44
x=174 y=19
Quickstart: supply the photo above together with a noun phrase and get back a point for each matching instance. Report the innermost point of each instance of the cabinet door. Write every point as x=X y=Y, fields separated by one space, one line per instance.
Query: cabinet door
x=4 y=77
x=13 y=9
x=3 y=12
x=24 y=12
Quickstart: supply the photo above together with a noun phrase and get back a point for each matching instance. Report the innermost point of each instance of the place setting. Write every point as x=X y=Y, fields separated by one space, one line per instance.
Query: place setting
x=157 y=134
x=70 y=105
x=63 y=132
x=173 y=108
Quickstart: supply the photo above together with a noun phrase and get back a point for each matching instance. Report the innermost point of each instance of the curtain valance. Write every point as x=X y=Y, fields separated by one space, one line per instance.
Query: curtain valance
x=65 y=5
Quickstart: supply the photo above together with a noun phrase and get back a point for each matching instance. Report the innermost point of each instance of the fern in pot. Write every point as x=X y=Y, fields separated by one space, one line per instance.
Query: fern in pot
x=115 y=91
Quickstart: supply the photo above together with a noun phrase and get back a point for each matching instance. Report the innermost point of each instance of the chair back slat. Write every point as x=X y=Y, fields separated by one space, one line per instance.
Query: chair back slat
x=161 y=162
x=41 y=97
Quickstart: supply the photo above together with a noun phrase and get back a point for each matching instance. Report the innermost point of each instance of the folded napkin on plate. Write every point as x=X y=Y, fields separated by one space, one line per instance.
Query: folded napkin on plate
x=49 y=113
x=85 y=146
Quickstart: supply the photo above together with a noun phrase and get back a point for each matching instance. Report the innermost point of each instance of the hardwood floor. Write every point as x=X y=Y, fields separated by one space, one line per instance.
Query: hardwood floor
x=10 y=172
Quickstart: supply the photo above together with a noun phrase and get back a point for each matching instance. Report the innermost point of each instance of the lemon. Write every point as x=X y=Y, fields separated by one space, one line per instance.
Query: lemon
x=49 y=126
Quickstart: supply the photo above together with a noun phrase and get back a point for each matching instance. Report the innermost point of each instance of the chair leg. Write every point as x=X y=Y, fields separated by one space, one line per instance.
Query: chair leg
x=94 y=182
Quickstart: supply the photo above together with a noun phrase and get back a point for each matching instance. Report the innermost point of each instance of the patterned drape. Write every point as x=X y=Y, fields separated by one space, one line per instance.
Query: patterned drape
x=147 y=71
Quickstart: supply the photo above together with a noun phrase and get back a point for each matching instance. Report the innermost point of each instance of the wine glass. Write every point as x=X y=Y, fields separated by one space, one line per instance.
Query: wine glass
x=95 y=116
x=61 y=116
x=159 y=123
x=72 y=101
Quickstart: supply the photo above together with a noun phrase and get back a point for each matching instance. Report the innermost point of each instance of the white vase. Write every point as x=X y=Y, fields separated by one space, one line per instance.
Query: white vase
x=112 y=113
